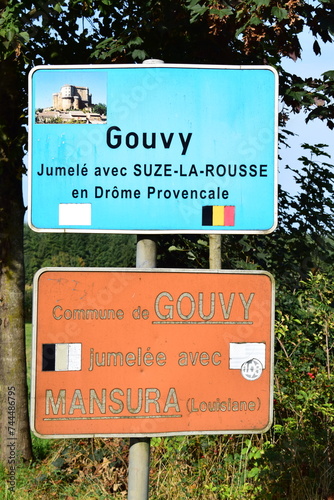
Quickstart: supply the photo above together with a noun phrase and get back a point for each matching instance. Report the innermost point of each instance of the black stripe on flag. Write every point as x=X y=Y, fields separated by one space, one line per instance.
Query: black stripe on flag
x=49 y=357
x=207 y=215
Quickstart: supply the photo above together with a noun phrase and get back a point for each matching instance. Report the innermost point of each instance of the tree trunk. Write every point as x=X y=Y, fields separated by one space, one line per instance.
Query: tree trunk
x=15 y=432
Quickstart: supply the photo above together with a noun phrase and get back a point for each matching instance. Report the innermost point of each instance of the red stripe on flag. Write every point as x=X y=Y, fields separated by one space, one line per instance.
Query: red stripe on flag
x=229 y=216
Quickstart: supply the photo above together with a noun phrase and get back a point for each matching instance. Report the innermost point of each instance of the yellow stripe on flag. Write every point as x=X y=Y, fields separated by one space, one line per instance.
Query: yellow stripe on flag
x=218 y=215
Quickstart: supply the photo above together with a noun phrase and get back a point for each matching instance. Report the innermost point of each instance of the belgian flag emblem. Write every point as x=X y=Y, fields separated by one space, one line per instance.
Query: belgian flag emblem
x=217 y=215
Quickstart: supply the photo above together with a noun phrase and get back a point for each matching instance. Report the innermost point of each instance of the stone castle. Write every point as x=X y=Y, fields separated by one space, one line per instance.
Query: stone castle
x=71 y=105
x=72 y=97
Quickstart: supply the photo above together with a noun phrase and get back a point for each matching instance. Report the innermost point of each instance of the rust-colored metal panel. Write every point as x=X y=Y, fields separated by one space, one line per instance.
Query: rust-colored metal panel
x=125 y=352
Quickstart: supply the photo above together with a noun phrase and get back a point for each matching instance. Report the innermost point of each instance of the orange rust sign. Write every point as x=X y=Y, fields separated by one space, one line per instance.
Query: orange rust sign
x=126 y=352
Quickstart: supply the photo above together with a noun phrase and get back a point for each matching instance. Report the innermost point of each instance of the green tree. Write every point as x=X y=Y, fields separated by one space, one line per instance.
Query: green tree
x=14 y=423
x=71 y=250
x=100 y=108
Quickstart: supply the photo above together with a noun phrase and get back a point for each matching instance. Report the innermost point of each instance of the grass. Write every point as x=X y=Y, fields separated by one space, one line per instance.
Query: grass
x=72 y=469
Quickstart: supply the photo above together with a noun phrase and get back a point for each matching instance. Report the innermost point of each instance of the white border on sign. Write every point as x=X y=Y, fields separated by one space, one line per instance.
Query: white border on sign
x=154 y=63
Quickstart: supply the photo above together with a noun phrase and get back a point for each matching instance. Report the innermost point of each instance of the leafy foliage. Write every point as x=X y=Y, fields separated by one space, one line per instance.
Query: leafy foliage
x=100 y=108
x=304 y=390
x=92 y=469
x=76 y=250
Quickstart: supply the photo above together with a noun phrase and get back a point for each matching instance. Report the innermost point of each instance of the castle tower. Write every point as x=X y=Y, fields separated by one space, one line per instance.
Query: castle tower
x=71 y=96
x=66 y=96
x=76 y=103
x=55 y=100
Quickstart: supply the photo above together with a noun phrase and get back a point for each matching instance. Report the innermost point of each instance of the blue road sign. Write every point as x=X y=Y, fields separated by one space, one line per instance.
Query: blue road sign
x=162 y=149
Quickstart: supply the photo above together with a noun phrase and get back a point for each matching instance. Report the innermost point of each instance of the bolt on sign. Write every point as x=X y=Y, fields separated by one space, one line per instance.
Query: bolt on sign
x=123 y=352
x=168 y=148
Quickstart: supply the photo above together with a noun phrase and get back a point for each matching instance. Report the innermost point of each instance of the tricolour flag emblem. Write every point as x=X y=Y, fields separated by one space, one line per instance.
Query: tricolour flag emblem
x=61 y=357
x=217 y=215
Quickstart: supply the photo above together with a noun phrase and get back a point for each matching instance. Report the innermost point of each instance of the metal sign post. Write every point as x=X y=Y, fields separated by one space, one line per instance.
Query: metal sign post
x=215 y=251
x=139 y=453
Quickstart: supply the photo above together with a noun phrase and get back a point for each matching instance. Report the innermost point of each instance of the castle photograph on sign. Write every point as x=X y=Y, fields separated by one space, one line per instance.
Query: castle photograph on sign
x=69 y=103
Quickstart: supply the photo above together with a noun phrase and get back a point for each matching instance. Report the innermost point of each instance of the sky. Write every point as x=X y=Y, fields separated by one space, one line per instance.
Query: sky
x=50 y=81
x=314 y=132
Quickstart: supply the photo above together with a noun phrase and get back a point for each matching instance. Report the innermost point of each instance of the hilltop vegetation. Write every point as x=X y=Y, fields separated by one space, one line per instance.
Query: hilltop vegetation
x=76 y=250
